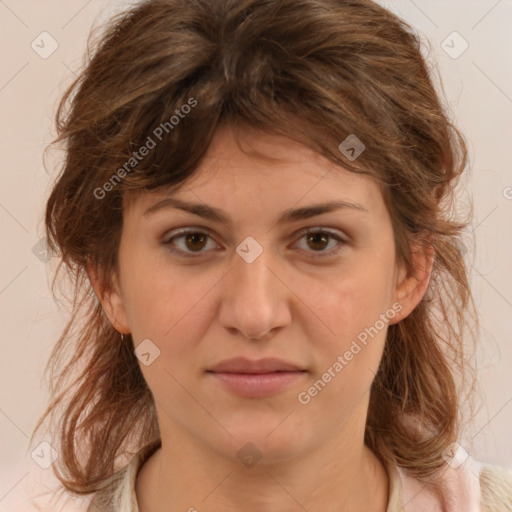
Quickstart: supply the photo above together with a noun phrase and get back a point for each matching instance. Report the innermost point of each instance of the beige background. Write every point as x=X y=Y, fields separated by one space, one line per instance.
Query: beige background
x=479 y=87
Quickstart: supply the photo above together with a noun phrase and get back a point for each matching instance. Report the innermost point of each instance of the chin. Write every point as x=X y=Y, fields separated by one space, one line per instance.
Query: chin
x=268 y=441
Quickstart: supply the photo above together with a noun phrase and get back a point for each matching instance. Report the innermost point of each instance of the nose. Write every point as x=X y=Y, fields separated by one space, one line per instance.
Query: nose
x=256 y=300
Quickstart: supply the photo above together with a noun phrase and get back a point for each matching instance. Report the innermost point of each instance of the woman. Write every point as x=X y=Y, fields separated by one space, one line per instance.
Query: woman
x=271 y=299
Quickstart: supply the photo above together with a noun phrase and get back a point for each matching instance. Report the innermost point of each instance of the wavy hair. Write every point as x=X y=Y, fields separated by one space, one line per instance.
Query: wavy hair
x=316 y=71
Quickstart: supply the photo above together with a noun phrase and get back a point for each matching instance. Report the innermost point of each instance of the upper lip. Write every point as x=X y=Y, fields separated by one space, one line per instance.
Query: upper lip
x=244 y=365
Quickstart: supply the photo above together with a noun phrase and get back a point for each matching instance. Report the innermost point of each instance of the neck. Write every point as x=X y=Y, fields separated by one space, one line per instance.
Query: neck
x=335 y=477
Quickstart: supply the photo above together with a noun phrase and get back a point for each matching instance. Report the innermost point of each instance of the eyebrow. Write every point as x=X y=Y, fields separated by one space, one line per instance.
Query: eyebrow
x=209 y=212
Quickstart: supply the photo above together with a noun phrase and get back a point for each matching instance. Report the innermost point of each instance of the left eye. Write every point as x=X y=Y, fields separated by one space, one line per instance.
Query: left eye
x=319 y=240
x=193 y=242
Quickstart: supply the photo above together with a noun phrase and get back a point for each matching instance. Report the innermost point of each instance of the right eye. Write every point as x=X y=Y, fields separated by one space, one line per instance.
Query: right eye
x=191 y=242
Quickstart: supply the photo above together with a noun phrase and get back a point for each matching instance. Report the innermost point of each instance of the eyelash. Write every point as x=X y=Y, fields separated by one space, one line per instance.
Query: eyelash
x=317 y=254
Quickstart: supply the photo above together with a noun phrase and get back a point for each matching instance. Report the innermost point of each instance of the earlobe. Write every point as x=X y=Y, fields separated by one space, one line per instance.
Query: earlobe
x=110 y=299
x=412 y=284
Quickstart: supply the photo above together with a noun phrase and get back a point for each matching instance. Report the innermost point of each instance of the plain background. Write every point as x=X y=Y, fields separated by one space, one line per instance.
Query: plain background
x=478 y=85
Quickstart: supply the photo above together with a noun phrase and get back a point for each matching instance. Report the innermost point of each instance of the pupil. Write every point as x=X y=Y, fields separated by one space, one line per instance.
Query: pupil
x=194 y=237
x=315 y=237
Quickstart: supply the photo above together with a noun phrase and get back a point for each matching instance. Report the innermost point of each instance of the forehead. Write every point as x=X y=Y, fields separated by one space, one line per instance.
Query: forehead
x=249 y=164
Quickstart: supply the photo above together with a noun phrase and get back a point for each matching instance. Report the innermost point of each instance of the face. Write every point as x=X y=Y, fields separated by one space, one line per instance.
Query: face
x=274 y=273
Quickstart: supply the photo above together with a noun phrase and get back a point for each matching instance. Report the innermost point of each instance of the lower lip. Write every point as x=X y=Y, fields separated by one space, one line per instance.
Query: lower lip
x=257 y=384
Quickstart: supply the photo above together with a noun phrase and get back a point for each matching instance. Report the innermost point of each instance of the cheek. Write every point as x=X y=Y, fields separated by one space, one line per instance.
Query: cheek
x=173 y=310
x=355 y=309
x=167 y=304
x=352 y=302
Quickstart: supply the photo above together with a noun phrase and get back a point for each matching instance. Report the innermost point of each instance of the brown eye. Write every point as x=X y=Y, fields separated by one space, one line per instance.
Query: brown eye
x=189 y=243
x=322 y=243
x=195 y=241
x=318 y=241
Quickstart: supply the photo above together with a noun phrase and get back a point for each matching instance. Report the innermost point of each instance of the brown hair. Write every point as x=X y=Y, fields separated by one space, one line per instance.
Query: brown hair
x=313 y=70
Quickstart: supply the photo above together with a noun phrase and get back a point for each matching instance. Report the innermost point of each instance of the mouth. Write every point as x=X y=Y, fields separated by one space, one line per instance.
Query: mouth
x=254 y=379
x=244 y=365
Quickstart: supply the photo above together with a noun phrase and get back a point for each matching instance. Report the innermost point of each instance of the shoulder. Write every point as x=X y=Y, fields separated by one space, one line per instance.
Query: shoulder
x=469 y=486
x=496 y=488
x=107 y=498
x=117 y=494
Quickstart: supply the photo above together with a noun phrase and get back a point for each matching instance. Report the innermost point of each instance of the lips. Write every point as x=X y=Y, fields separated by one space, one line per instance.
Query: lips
x=256 y=379
x=243 y=365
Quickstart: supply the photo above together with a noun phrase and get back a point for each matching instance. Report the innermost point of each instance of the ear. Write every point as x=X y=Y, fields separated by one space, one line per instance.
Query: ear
x=411 y=284
x=110 y=299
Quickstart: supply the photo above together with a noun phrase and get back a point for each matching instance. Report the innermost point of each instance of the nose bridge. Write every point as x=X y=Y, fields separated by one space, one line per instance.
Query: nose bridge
x=252 y=276
x=255 y=301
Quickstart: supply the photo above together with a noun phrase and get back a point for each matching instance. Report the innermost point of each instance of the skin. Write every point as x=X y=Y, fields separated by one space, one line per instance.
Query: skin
x=287 y=304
